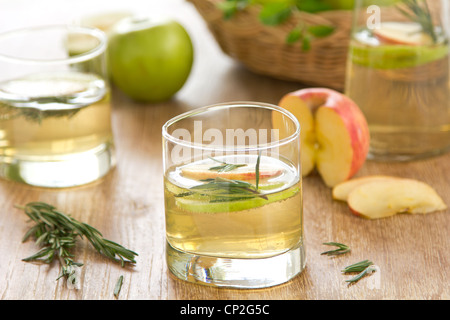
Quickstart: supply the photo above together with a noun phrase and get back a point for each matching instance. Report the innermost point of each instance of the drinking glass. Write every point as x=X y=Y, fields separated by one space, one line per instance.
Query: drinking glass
x=55 y=126
x=233 y=195
x=398 y=73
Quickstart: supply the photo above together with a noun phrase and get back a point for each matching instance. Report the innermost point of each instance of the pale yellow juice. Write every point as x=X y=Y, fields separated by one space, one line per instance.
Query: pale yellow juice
x=403 y=90
x=52 y=118
x=241 y=227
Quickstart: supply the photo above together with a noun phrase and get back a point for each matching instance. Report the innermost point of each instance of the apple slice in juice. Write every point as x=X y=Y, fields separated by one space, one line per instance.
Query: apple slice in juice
x=205 y=204
x=244 y=172
x=395 y=45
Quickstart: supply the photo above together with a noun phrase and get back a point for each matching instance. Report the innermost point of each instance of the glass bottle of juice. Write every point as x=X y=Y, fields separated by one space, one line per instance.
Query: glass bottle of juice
x=398 y=73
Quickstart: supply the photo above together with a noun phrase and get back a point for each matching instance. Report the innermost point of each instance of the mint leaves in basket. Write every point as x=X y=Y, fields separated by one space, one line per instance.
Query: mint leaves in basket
x=275 y=12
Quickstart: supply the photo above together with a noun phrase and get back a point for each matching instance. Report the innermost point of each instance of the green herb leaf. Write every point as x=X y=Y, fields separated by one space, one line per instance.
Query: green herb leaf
x=342 y=248
x=221 y=189
x=118 y=286
x=320 y=31
x=225 y=166
x=364 y=267
x=275 y=13
x=294 y=35
x=358 y=267
x=258 y=161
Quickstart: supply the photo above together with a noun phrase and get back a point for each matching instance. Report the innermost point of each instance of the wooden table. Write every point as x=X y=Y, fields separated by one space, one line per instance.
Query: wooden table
x=412 y=251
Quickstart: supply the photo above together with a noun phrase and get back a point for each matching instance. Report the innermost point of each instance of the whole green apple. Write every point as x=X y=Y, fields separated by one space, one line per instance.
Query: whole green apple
x=149 y=60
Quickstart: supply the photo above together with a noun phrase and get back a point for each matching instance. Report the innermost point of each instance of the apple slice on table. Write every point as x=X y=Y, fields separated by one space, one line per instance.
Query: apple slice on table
x=402 y=33
x=334 y=132
x=245 y=173
x=388 y=197
x=343 y=189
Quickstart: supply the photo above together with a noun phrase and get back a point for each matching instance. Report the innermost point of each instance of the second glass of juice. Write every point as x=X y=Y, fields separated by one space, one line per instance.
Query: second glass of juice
x=55 y=111
x=398 y=74
x=233 y=195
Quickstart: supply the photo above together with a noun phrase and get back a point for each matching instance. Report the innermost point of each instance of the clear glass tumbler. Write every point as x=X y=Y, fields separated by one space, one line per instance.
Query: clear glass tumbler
x=398 y=73
x=233 y=195
x=55 y=126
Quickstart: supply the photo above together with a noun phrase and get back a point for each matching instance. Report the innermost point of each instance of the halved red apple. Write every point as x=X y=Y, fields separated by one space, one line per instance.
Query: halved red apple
x=343 y=189
x=384 y=198
x=406 y=33
x=334 y=132
x=202 y=171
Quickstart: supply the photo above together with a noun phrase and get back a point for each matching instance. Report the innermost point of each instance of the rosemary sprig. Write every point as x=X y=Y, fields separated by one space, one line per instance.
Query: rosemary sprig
x=34 y=114
x=225 y=167
x=222 y=189
x=421 y=15
x=342 y=248
x=363 y=267
x=56 y=233
x=258 y=162
x=118 y=286
x=227 y=189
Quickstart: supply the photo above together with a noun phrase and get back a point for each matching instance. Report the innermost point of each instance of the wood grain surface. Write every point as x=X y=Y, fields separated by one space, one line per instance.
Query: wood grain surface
x=411 y=251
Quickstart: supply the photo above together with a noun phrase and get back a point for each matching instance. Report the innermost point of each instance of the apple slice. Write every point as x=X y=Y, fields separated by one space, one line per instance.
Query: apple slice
x=343 y=189
x=403 y=33
x=202 y=171
x=385 y=198
x=203 y=205
x=334 y=132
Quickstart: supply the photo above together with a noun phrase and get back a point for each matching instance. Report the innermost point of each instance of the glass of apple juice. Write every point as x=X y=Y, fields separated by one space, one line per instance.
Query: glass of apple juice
x=233 y=195
x=398 y=74
x=55 y=126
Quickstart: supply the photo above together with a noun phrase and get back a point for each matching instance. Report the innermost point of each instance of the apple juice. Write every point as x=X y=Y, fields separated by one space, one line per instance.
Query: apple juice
x=52 y=117
x=404 y=93
x=229 y=224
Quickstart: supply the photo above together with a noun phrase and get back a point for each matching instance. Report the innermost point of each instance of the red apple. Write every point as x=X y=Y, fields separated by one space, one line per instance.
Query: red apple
x=334 y=132
x=403 y=33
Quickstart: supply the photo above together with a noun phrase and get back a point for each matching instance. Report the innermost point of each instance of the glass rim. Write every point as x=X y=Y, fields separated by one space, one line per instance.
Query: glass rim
x=96 y=51
x=232 y=104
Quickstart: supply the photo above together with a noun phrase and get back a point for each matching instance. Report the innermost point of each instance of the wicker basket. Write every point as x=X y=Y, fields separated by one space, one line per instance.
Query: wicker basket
x=263 y=49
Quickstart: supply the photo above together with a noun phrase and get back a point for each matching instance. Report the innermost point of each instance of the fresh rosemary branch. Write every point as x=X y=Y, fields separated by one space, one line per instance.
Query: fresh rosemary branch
x=363 y=267
x=227 y=189
x=56 y=233
x=421 y=15
x=342 y=248
x=222 y=189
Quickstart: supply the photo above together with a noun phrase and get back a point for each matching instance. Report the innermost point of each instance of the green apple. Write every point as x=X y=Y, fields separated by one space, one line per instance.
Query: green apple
x=149 y=60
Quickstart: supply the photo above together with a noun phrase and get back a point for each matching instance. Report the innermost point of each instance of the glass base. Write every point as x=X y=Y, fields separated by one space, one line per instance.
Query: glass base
x=236 y=273
x=60 y=171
